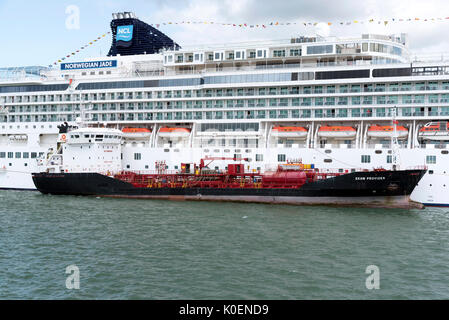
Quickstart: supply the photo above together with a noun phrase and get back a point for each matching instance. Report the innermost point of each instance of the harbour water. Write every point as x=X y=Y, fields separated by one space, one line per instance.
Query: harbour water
x=142 y=249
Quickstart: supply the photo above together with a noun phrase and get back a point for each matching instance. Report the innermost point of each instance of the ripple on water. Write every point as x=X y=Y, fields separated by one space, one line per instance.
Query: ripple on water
x=140 y=249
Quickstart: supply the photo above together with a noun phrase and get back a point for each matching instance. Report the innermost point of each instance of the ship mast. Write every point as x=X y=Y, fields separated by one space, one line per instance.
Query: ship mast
x=394 y=140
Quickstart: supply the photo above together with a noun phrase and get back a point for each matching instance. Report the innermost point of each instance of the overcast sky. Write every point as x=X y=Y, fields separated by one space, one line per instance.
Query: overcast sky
x=35 y=32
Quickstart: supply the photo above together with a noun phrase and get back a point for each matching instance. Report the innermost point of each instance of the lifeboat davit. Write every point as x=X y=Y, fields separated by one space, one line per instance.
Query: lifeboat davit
x=136 y=133
x=289 y=132
x=435 y=131
x=167 y=132
x=337 y=132
x=376 y=131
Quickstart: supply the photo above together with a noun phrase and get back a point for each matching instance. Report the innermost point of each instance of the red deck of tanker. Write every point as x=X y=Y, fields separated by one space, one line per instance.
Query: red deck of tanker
x=288 y=177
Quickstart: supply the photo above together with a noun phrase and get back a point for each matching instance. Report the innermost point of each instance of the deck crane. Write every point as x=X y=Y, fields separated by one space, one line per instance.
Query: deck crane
x=212 y=159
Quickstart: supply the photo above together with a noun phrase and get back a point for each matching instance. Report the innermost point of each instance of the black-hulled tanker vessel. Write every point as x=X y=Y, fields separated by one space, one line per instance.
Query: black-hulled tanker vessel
x=290 y=183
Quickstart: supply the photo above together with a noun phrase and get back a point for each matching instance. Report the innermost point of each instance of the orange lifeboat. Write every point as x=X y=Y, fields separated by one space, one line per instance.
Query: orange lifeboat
x=337 y=132
x=136 y=133
x=167 y=132
x=289 y=132
x=376 y=131
x=435 y=131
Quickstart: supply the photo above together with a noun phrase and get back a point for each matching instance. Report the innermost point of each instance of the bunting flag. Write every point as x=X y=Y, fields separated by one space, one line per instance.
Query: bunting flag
x=277 y=23
x=81 y=48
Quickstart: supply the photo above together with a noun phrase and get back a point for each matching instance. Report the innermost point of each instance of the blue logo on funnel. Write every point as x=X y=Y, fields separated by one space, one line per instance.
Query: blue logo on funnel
x=125 y=33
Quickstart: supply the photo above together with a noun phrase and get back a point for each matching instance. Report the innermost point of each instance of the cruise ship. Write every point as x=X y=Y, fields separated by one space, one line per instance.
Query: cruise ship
x=339 y=103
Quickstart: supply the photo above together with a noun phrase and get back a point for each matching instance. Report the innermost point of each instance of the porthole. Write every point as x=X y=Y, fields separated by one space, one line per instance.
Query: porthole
x=378 y=151
x=328 y=151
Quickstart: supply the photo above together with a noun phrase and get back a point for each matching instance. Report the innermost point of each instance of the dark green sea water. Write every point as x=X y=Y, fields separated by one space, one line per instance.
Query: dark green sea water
x=142 y=249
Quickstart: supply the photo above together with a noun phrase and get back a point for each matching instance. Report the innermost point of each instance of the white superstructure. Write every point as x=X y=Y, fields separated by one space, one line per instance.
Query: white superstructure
x=243 y=100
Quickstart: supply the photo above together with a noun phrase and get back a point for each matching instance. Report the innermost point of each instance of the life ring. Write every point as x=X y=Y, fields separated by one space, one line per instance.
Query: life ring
x=63 y=137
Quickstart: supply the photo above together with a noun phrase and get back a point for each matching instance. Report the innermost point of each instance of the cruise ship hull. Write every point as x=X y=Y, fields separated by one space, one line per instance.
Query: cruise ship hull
x=364 y=189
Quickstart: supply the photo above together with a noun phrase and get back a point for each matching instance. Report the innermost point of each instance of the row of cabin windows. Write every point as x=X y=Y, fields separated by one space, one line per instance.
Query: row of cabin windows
x=404 y=99
x=20 y=155
x=259 y=157
x=222 y=92
x=93 y=136
x=365 y=159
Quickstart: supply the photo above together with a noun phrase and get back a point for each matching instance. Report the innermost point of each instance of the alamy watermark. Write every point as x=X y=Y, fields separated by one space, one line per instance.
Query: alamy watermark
x=72 y=22
x=373 y=280
x=72 y=282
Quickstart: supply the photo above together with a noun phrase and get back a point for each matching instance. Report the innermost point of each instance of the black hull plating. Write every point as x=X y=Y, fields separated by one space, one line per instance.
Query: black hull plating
x=354 y=188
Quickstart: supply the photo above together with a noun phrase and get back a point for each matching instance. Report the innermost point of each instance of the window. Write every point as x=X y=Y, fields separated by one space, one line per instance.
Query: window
x=137 y=156
x=320 y=49
x=26 y=155
x=2 y=155
x=10 y=155
x=278 y=53
x=281 y=157
x=366 y=158
x=431 y=159
x=295 y=52
x=259 y=157
x=33 y=155
x=326 y=75
x=389 y=159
